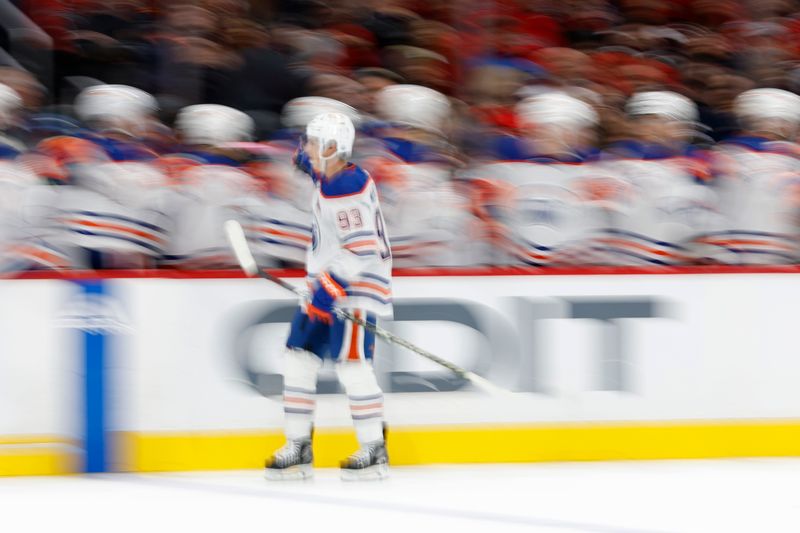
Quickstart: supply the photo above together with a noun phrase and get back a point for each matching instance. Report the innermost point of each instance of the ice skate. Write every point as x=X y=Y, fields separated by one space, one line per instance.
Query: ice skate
x=291 y=462
x=370 y=462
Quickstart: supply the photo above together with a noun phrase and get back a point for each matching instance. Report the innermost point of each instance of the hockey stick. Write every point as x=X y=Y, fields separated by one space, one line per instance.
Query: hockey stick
x=238 y=241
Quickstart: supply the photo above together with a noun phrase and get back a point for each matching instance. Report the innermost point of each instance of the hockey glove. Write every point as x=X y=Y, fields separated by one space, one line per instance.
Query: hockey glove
x=329 y=289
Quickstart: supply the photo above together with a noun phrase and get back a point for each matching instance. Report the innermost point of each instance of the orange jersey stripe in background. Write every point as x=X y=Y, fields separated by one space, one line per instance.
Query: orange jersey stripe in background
x=115 y=227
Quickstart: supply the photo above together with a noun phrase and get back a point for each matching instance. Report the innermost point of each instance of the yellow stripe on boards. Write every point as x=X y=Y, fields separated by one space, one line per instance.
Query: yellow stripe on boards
x=40 y=463
x=147 y=452
x=152 y=452
x=31 y=457
x=12 y=440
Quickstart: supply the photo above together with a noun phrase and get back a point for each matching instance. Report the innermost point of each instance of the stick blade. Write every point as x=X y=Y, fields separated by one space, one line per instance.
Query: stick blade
x=238 y=242
x=485 y=385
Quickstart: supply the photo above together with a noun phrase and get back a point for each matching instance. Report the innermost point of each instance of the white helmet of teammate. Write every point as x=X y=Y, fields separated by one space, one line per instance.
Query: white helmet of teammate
x=328 y=129
x=666 y=104
x=768 y=104
x=112 y=105
x=213 y=124
x=555 y=108
x=10 y=105
x=415 y=106
x=297 y=113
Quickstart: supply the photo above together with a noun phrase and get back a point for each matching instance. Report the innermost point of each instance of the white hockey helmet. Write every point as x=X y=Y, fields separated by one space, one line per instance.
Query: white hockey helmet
x=768 y=103
x=297 y=113
x=330 y=128
x=111 y=104
x=10 y=105
x=556 y=108
x=413 y=105
x=667 y=104
x=213 y=124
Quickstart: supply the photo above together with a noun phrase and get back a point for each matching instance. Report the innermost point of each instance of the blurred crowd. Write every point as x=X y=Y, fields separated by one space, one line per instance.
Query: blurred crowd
x=510 y=132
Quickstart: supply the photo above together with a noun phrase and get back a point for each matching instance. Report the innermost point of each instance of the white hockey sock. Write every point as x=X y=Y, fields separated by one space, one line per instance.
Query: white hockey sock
x=299 y=392
x=366 y=399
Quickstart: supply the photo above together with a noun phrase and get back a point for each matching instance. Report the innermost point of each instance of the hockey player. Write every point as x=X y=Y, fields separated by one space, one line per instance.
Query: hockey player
x=349 y=266
x=209 y=185
x=427 y=214
x=758 y=178
x=276 y=214
x=27 y=240
x=534 y=208
x=118 y=118
x=276 y=220
x=661 y=202
x=112 y=209
x=663 y=124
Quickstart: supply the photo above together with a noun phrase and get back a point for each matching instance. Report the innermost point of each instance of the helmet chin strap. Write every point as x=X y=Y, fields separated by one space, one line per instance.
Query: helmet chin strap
x=323 y=161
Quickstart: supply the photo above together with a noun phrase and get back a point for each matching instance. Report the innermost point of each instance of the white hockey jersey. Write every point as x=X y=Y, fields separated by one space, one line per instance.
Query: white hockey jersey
x=277 y=216
x=653 y=211
x=535 y=211
x=428 y=218
x=204 y=197
x=759 y=187
x=116 y=209
x=349 y=238
x=27 y=233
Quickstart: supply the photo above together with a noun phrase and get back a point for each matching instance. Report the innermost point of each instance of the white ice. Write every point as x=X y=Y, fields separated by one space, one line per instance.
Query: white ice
x=743 y=495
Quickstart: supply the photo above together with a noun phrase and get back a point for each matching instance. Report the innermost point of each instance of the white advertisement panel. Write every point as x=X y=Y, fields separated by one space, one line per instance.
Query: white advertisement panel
x=206 y=354
x=40 y=361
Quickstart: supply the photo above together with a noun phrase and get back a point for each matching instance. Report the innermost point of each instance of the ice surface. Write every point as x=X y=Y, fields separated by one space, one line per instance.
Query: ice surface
x=743 y=495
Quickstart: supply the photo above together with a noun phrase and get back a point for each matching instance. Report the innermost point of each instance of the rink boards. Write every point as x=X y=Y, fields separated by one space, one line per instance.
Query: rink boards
x=176 y=373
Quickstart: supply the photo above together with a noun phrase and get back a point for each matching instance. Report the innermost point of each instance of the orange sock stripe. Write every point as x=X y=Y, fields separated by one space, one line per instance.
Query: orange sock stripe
x=294 y=399
x=353 y=354
x=366 y=407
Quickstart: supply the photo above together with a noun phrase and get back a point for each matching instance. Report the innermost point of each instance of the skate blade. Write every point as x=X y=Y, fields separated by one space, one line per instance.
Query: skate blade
x=293 y=473
x=371 y=473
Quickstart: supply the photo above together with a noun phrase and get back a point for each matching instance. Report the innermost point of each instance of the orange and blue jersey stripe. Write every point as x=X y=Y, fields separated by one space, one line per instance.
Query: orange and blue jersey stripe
x=371 y=286
x=361 y=243
x=404 y=247
x=33 y=255
x=279 y=232
x=529 y=252
x=108 y=225
x=753 y=242
x=638 y=247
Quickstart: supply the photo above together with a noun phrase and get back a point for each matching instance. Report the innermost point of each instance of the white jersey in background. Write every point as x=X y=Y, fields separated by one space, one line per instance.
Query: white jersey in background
x=276 y=215
x=117 y=210
x=652 y=211
x=279 y=232
x=27 y=231
x=535 y=211
x=204 y=197
x=759 y=187
x=428 y=218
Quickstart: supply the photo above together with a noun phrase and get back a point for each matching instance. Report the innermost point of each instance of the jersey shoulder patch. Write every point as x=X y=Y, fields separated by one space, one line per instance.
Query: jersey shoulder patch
x=350 y=181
